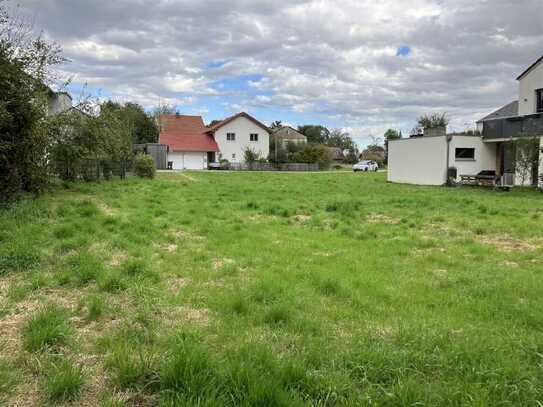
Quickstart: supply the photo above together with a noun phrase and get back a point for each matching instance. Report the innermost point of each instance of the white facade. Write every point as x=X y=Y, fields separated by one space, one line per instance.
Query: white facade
x=528 y=85
x=188 y=160
x=242 y=128
x=422 y=160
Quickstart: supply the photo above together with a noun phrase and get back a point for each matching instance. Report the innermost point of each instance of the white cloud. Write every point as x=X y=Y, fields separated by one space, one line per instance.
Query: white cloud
x=333 y=58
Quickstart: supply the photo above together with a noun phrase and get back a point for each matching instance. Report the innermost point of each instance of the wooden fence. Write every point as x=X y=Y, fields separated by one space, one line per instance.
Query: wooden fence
x=272 y=167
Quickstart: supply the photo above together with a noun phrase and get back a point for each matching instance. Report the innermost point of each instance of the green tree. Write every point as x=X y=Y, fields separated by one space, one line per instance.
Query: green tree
x=142 y=127
x=316 y=134
x=313 y=154
x=276 y=125
x=24 y=126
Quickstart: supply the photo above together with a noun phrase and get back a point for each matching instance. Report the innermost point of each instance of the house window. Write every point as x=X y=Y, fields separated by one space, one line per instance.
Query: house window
x=253 y=137
x=539 y=101
x=465 y=154
x=230 y=136
x=233 y=156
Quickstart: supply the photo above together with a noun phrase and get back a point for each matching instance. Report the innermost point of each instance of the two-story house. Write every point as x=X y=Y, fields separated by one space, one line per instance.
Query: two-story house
x=192 y=145
x=431 y=159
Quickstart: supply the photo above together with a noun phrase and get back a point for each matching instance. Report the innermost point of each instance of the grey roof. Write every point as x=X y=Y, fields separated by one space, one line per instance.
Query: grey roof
x=509 y=110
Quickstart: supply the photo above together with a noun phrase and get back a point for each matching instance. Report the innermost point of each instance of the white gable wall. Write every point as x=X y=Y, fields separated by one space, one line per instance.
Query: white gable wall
x=423 y=160
x=532 y=81
x=242 y=127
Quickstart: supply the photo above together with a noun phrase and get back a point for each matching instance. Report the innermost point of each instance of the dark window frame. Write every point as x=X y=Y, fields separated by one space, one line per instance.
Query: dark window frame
x=464 y=153
x=253 y=137
x=230 y=136
x=539 y=100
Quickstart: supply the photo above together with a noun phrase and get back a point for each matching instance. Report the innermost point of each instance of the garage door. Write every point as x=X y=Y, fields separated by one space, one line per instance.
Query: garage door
x=187 y=161
x=194 y=161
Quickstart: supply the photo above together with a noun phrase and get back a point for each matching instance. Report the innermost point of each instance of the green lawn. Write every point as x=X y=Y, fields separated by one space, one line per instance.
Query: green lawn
x=272 y=289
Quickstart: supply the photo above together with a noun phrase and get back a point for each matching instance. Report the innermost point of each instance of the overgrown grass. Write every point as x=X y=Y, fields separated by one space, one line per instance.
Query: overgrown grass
x=48 y=328
x=63 y=381
x=273 y=289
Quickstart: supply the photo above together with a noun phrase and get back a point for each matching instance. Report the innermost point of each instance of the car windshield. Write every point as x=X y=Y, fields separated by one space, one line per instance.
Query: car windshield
x=364 y=162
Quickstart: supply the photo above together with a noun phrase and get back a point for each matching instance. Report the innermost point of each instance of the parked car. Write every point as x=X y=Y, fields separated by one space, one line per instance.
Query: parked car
x=366 y=165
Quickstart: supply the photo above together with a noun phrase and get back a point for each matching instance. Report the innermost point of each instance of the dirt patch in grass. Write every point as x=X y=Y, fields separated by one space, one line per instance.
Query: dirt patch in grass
x=301 y=219
x=219 y=264
x=507 y=243
x=510 y=264
x=428 y=251
x=117 y=258
x=186 y=314
x=380 y=218
x=184 y=234
x=176 y=283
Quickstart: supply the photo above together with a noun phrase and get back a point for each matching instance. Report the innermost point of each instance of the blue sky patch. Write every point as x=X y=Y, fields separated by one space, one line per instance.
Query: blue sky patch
x=403 y=51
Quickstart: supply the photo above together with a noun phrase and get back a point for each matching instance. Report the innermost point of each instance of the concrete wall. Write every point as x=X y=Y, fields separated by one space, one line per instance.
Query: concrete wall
x=242 y=127
x=58 y=103
x=420 y=160
x=485 y=155
x=527 y=87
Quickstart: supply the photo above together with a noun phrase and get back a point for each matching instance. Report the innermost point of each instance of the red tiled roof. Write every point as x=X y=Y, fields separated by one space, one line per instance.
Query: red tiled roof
x=185 y=133
x=189 y=142
x=217 y=126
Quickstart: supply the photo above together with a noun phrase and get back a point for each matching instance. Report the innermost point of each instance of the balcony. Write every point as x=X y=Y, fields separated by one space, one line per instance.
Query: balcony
x=511 y=127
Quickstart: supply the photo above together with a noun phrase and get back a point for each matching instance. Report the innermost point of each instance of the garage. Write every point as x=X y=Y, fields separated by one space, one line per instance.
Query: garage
x=188 y=160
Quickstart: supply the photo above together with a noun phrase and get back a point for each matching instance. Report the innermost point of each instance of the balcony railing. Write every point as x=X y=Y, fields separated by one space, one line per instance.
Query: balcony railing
x=511 y=127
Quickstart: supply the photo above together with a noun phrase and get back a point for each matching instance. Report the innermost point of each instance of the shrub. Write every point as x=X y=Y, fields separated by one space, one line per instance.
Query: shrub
x=48 y=328
x=144 y=166
x=313 y=154
x=431 y=121
x=63 y=381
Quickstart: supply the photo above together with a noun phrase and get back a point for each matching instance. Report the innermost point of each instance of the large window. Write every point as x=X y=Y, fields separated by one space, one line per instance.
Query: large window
x=253 y=137
x=465 y=154
x=230 y=136
x=539 y=101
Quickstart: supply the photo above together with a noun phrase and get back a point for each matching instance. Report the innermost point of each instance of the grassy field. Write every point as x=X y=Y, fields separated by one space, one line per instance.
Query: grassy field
x=272 y=289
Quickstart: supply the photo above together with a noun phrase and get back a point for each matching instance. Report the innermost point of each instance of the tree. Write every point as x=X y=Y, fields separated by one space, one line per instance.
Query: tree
x=214 y=122
x=313 y=154
x=374 y=152
x=315 y=134
x=25 y=62
x=276 y=125
x=432 y=121
x=142 y=127
x=339 y=138
x=527 y=159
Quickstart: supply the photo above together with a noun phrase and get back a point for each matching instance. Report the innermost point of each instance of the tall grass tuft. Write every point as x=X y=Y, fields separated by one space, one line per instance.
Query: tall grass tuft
x=48 y=328
x=63 y=381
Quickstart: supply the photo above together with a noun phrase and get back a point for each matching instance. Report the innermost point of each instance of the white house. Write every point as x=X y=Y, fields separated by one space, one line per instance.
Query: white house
x=427 y=159
x=192 y=145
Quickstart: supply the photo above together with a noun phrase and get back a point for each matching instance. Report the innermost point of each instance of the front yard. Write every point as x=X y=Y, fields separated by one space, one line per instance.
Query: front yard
x=272 y=289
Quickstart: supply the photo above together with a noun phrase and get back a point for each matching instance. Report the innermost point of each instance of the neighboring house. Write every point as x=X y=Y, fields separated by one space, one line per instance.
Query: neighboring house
x=423 y=160
x=336 y=153
x=286 y=135
x=192 y=145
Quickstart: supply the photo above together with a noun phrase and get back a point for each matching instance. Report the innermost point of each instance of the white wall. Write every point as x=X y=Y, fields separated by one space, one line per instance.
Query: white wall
x=527 y=87
x=242 y=127
x=422 y=160
x=485 y=155
x=540 y=183
x=417 y=160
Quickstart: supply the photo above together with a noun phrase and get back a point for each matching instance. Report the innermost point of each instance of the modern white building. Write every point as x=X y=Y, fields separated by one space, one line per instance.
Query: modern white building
x=193 y=146
x=431 y=159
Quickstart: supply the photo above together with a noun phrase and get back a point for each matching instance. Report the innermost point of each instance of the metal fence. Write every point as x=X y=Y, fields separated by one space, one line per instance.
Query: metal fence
x=92 y=170
x=271 y=167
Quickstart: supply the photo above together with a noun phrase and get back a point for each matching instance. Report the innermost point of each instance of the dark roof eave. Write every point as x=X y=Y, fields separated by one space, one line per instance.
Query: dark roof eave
x=530 y=68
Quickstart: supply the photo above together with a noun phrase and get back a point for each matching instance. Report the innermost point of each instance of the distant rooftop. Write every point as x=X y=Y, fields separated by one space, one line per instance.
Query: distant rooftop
x=509 y=110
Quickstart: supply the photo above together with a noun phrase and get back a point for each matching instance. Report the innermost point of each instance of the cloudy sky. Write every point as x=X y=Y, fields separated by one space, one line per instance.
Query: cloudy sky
x=360 y=65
